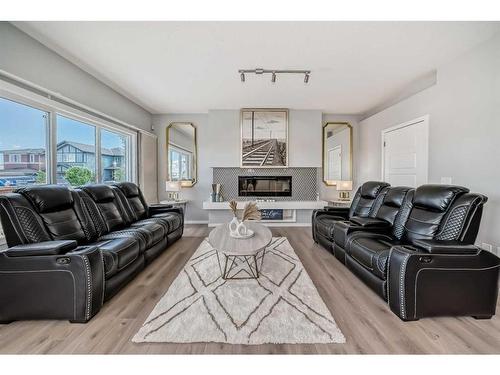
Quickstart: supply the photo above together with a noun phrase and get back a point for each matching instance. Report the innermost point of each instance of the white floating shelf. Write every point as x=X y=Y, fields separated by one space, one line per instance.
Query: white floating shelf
x=290 y=205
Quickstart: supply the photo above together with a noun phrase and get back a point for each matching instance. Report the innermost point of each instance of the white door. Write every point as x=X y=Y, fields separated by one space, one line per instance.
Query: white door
x=335 y=164
x=405 y=153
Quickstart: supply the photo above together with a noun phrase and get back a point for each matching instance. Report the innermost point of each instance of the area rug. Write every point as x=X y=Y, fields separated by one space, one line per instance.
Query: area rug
x=281 y=306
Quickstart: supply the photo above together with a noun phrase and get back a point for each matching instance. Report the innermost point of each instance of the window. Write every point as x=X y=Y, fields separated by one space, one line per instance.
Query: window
x=86 y=150
x=23 y=132
x=14 y=158
x=75 y=152
x=180 y=163
x=115 y=157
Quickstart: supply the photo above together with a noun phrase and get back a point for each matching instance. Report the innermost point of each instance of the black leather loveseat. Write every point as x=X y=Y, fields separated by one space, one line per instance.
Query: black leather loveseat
x=416 y=250
x=69 y=250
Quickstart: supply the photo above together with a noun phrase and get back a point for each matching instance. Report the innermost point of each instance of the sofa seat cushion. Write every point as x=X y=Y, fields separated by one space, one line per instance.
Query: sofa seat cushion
x=128 y=233
x=152 y=220
x=173 y=219
x=371 y=251
x=147 y=235
x=118 y=254
x=155 y=232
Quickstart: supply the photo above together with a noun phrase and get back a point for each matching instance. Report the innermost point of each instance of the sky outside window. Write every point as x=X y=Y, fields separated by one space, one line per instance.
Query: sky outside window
x=21 y=126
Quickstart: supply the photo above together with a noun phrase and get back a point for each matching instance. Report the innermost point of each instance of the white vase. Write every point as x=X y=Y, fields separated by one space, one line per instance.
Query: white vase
x=233 y=225
x=241 y=229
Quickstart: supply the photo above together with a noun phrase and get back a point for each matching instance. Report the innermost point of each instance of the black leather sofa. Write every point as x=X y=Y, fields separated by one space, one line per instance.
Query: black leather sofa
x=416 y=251
x=69 y=250
x=363 y=205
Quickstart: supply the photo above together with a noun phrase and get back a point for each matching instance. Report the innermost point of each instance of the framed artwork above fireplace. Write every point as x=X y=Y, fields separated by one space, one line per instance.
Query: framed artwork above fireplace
x=264 y=138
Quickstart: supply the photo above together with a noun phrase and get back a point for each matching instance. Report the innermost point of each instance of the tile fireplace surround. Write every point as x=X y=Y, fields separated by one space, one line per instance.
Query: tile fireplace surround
x=304 y=181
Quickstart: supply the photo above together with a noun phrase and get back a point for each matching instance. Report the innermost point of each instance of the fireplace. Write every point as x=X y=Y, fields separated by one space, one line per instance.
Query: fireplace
x=265 y=186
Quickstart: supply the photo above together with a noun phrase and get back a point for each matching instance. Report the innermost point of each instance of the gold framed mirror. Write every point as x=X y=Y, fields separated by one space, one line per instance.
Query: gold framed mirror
x=182 y=153
x=337 y=152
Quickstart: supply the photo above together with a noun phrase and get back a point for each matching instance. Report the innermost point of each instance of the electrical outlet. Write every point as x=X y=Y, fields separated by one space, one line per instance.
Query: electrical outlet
x=487 y=247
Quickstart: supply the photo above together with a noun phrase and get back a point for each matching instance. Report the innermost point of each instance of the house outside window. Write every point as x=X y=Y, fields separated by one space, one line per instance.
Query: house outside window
x=14 y=158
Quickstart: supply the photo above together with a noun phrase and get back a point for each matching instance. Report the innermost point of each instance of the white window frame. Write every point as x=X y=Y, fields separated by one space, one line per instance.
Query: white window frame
x=23 y=96
x=15 y=158
x=181 y=151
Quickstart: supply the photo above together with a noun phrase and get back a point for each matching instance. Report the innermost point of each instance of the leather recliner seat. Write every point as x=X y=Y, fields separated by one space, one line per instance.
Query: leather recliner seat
x=143 y=214
x=363 y=203
x=71 y=249
x=423 y=261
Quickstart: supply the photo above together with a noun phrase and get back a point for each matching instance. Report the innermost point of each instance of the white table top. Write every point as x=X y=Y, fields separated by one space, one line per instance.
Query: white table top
x=220 y=239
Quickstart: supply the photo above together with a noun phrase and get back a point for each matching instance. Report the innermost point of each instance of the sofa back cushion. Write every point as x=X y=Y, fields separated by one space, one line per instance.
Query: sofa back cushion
x=20 y=222
x=93 y=213
x=462 y=220
x=134 y=199
x=55 y=206
x=365 y=198
x=107 y=204
x=391 y=204
x=431 y=204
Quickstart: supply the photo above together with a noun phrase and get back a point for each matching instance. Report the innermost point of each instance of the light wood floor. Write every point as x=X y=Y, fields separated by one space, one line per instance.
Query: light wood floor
x=364 y=318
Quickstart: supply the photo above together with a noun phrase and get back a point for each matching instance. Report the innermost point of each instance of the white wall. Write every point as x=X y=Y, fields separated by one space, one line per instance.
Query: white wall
x=30 y=60
x=181 y=139
x=464 y=109
x=218 y=146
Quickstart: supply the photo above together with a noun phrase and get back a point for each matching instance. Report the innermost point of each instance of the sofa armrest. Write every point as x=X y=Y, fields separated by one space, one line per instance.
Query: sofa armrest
x=445 y=247
x=336 y=213
x=422 y=284
x=163 y=208
x=339 y=213
x=370 y=222
x=342 y=211
x=342 y=230
x=67 y=286
x=160 y=206
x=42 y=248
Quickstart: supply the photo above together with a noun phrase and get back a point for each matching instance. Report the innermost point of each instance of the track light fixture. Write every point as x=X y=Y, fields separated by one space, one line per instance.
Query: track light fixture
x=273 y=73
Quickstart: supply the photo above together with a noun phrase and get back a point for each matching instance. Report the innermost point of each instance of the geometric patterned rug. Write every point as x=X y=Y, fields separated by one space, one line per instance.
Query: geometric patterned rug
x=281 y=306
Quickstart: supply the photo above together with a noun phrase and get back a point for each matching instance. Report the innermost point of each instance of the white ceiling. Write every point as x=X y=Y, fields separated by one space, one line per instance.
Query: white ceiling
x=174 y=67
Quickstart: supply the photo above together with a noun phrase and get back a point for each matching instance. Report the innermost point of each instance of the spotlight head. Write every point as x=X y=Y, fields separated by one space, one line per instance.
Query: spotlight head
x=273 y=77
x=306 y=78
x=242 y=77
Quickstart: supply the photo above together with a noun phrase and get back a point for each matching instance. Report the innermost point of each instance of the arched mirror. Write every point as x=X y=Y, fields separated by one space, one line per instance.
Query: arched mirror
x=337 y=152
x=182 y=153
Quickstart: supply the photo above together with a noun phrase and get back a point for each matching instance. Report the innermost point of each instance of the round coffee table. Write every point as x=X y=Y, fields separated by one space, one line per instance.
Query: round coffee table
x=240 y=257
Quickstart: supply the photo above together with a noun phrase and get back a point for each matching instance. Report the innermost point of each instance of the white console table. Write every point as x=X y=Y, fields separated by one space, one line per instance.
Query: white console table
x=295 y=213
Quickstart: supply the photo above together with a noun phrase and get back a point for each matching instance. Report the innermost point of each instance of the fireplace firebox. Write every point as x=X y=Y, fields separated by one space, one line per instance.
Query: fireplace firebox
x=265 y=186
